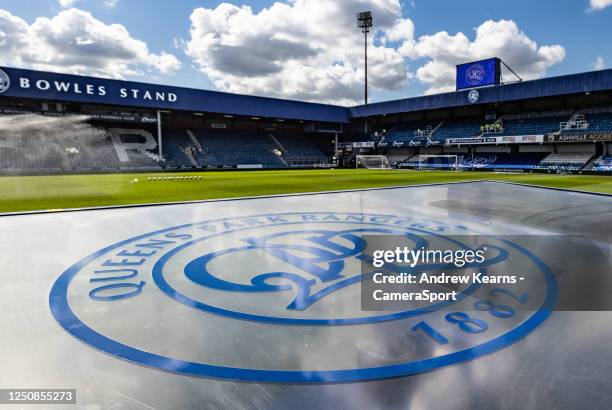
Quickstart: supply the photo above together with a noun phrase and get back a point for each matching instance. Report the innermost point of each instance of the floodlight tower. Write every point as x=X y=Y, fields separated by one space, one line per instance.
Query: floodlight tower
x=364 y=22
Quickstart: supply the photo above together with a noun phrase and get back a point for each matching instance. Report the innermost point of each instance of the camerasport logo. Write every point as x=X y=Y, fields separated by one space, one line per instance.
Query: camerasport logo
x=276 y=298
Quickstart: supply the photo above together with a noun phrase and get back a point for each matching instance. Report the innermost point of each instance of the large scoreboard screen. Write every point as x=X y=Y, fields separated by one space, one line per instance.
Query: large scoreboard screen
x=479 y=73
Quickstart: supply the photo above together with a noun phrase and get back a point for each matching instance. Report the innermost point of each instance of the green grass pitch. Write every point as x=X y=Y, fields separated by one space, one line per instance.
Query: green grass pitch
x=26 y=193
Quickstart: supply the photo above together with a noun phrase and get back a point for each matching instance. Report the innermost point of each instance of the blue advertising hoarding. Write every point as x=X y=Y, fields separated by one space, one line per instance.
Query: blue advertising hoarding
x=479 y=73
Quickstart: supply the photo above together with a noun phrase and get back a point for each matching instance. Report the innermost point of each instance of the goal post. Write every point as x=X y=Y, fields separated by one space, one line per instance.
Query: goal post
x=438 y=162
x=372 y=162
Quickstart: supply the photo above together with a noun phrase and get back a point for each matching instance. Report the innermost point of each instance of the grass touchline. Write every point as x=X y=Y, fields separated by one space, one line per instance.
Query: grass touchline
x=27 y=193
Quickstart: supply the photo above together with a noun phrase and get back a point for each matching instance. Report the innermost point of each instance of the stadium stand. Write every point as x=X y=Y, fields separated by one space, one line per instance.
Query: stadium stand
x=179 y=150
x=72 y=143
x=565 y=161
x=410 y=131
x=135 y=148
x=493 y=128
x=570 y=116
x=245 y=149
x=603 y=164
x=483 y=161
x=113 y=146
x=458 y=128
x=503 y=161
x=533 y=123
x=528 y=123
x=598 y=120
x=299 y=152
x=78 y=147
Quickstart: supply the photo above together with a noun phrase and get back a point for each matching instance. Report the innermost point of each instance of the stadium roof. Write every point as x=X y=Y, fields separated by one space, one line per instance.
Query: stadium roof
x=80 y=89
x=90 y=90
x=545 y=87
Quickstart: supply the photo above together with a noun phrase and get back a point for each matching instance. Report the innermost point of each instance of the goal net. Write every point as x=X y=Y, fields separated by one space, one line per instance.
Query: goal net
x=438 y=162
x=372 y=162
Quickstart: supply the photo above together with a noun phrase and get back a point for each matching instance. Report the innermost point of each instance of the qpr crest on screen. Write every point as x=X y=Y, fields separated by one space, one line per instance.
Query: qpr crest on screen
x=475 y=74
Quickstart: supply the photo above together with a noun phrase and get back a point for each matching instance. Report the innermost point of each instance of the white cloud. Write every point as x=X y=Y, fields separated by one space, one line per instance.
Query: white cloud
x=501 y=38
x=76 y=42
x=67 y=3
x=298 y=49
x=311 y=49
x=302 y=49
x=599 y=4
x=599 y=63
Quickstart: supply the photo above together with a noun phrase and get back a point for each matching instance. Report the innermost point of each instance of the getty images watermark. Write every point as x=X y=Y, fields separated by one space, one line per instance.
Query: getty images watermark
x=37 y=396
x=502 y=274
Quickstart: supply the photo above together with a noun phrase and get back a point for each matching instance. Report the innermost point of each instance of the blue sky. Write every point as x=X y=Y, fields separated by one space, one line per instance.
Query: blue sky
x=572 y=26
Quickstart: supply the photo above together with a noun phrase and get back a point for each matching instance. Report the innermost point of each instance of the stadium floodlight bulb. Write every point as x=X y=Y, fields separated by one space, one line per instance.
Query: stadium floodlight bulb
x=364 y=21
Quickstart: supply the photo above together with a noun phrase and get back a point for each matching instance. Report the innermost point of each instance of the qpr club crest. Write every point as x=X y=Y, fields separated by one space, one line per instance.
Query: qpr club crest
x=475 y=74
x=473 y=96
x=276 y=298
x=5 y=81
